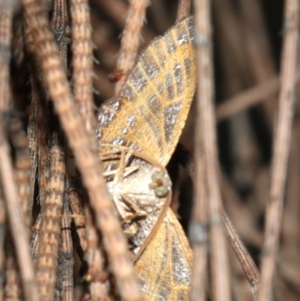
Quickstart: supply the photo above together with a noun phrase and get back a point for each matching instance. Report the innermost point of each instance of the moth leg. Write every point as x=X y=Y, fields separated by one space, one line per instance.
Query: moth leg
x=132 y=222
x=128 y=170
x=159 y=185
x=110 y=155
x=124 y=159
x=127 y=200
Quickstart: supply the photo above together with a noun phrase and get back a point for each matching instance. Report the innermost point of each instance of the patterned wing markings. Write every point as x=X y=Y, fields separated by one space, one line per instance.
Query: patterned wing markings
x=151 y=109
x=164 y=268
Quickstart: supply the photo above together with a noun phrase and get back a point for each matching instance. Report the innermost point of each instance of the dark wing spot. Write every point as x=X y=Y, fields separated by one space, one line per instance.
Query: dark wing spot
x=161 y=55
x=114 y=103
x=170 y=43
x=187 y=67
x=178 y=78
x=182 y=37
x=119 y=141
x=105 y=117
x=154 y=105
x=181 y=271
x=128 y=93
x=171 y=117
x=190 y=27
x=149 y=65
x=137 y=79
x=131 y=121
x=169 y=85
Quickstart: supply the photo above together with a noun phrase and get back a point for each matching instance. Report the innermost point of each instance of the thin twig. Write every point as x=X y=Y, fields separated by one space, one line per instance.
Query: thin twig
x=259 y=57
x=184 y=8
x=5 y=55
x=22 y=176
x=130 y=39
x=244 y=258
x=17 y=225
x=60 y=28
x=96 y=275
x=50 y=227
x=281 y=146
x=65 y=277
x=247 y=98
x=12 y=288
x=219 y=260
x=5 y=97
x=38 y=127
x=82 y=63
x=198 y=226
x=87 y=161
x=76 y=206
x=18 y=229
x=198 y=233
x=2 y=235
x=22 y=168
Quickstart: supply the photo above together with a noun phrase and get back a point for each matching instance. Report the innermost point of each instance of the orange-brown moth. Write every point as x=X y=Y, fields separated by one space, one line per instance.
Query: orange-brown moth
x=138 y=131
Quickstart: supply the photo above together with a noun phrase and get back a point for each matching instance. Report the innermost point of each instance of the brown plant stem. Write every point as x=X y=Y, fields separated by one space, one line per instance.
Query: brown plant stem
x=198 y=226
x=60 y=28
x=82 y=61
x=2 y=235
x=130 y=39
x=247 y=99
x=281 y=147
x=22 y=168
x=96 y=275
x=50 y=227
x=14 y=212
x=87 y=161
x=22 y=177
x=76 y=206
x=184 y=8
x=66 y=259
x=16 y=220
x=205 y=109
x=241 y=252
x=248 y=265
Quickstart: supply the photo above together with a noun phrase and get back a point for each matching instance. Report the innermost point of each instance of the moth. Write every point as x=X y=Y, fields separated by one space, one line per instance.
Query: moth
x=138 y=131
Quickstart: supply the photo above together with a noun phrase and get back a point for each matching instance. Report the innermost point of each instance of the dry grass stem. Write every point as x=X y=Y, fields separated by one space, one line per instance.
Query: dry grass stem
x=16 y=221
x=61 y=29
x=22 y=165
x=82 y=62
x=246 y=99
x=65 y=279
x=87 y=161
x=96 y=275
x=2 y=235
x=184 y=8
x=50 y=227
x=281 y=147
x=248 y=265
x=130 y=39
x=10 y=191
x=22 y=168
x=219 y=261
x=198 y=233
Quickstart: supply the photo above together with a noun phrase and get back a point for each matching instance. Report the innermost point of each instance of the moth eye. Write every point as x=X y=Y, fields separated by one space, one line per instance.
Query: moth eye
x=161 y=191
x=157 y=176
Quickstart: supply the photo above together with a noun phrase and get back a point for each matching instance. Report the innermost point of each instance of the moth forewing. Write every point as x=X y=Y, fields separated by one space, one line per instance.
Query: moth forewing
x=152 y=107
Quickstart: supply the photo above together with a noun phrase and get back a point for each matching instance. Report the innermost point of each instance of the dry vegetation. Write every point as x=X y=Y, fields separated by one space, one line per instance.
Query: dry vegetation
x=54 y=245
